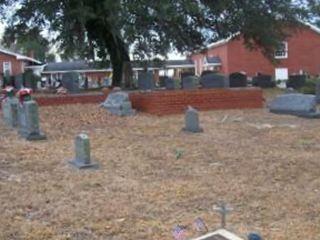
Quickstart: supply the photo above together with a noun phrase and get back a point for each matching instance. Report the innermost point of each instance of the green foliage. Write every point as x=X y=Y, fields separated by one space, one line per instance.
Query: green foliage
x=110 y=28
x=26 y=40
x=310 y=86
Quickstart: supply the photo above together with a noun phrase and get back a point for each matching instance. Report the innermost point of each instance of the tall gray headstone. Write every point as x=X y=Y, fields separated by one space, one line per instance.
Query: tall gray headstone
x=192 y=121
x=303 y=105
x=213 y=80
x=82 y=158
x=71 y=81
x=10 y=111
x=145 y=81
x=189 y=82
x=118 y=103
x=169 y=83
x=28 y=121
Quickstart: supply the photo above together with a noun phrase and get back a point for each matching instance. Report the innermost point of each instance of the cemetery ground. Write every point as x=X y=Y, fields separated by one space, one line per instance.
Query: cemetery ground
x=153 y=176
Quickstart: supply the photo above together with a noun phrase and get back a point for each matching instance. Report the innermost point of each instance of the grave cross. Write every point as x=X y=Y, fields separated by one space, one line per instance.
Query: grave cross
x=223 y=209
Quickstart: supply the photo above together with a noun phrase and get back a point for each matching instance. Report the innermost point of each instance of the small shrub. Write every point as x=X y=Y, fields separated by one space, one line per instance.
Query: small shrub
x=310 y=86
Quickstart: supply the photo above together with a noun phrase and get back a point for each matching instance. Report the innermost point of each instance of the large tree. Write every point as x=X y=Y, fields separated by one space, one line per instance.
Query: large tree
x=27 y=40
x=144 y=28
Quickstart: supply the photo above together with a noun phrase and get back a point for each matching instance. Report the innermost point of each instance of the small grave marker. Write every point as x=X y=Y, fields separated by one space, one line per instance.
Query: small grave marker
x=192 y=121
x=224 y=210
x=82 y=159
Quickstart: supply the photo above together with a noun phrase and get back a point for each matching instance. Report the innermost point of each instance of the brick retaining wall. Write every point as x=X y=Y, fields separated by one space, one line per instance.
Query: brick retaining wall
x=171 y=102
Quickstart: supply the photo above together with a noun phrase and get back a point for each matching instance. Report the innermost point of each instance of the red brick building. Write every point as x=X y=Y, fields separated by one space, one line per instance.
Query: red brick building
x=299 y=53
x=13 y=64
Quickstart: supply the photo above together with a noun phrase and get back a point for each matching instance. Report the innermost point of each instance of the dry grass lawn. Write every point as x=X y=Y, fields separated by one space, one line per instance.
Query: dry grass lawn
x=266 y=166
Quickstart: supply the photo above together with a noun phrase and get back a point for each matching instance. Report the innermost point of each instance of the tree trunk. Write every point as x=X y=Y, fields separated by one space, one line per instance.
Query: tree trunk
x=120 y=60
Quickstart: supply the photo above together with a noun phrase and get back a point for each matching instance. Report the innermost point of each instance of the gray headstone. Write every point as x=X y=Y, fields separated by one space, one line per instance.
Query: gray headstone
x=213 y=80
x=189 y=82
x=192 y=121
x=10 y=111
x=118 y=103
x=18 y=81
x=318 y=92
x=28 y=121
x=303 y=105
x=71 y=81
x=82 y=159
x=169 y=83
x=145 y=81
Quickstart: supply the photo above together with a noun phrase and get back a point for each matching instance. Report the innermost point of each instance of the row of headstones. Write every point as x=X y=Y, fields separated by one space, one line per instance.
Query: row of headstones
x=209 y=80
x=22 y=114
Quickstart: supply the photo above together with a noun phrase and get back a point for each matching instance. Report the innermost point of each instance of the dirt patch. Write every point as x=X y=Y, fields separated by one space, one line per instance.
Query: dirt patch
x=153 y=176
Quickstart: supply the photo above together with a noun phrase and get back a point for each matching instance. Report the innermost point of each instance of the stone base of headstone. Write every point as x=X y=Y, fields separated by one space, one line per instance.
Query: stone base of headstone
x=28 y=122
x=10 y=111
x=80 y=165
x=82 y=159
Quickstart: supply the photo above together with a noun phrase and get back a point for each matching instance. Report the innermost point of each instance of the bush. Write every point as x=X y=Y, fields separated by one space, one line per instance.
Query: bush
x=296 y=81
x=310 y=86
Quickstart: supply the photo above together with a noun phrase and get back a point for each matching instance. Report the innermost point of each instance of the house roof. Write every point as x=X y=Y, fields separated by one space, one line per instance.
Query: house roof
x=85 y=66
x=179 y=63
x=79 y=65
x=19 y=56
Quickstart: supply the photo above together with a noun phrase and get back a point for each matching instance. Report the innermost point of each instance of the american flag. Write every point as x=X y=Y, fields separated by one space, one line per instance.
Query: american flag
x=200 y=226
x=179 y=233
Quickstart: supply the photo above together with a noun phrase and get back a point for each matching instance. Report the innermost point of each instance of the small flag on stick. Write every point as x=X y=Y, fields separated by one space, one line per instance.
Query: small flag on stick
x=179 y=233
x=200 y=226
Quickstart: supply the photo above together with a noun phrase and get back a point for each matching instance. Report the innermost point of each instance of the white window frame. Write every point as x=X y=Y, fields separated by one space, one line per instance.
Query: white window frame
x=7 y=66
x=284 y=54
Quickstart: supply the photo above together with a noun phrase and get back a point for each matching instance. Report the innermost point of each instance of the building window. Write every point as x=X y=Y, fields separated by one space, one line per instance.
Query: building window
x=7 y=71
x=282 y=51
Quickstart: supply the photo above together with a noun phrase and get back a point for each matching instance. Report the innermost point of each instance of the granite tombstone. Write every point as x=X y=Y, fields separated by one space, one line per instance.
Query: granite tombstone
x=71 y=82
x=189 y=82
x=82 y=158
x=213 y=80
x=28 y=121
x=9 y=107
x=118 y=103
x=145 y=80
x=238 y=80
x=303 y=105
x=192 y=121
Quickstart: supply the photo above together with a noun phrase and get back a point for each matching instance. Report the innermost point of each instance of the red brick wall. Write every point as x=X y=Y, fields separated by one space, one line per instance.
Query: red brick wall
x=172 y=102
x=175 y=102
x=16 y=65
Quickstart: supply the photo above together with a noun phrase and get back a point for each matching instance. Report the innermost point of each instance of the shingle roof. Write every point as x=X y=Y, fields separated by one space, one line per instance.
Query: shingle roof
x=82 y=65
x=19 y=56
